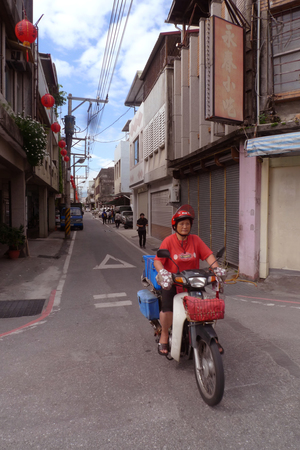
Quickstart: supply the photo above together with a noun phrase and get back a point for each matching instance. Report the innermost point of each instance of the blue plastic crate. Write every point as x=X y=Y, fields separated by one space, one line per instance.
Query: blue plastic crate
x=150 y=270
x=148 y=304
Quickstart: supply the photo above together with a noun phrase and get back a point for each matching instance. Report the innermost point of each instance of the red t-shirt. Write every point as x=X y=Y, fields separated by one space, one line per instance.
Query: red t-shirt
x=186 y=253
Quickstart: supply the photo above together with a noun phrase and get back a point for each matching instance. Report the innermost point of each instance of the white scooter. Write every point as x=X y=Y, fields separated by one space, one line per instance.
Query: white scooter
x=194 y=316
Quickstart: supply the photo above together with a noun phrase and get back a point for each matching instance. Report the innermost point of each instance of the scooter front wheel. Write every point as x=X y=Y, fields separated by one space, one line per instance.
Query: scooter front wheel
x=209 y=372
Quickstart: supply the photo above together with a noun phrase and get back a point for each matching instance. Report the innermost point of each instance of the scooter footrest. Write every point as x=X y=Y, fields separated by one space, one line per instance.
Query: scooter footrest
x=203 y=310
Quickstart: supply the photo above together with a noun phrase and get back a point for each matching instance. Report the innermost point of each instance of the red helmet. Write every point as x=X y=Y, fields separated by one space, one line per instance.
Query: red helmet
x=184 y=212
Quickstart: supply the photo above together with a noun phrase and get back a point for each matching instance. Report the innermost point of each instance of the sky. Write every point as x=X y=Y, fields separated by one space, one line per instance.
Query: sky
x=76 y=38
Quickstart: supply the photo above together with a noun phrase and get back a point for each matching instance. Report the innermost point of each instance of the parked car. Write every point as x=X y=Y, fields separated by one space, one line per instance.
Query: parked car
x=57 y=218
x=122 y=208
x=127 y=219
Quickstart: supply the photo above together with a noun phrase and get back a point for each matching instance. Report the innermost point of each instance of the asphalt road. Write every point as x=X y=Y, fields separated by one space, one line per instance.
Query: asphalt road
x=89 y=375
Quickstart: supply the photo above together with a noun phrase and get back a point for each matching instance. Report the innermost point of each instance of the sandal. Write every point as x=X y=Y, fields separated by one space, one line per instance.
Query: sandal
x=163 y=349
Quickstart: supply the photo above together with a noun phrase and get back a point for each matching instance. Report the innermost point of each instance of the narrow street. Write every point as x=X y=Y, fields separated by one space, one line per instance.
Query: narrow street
x=89 y=376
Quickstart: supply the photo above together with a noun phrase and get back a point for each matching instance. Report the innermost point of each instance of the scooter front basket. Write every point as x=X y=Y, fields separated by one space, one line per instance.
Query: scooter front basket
x=203 y=310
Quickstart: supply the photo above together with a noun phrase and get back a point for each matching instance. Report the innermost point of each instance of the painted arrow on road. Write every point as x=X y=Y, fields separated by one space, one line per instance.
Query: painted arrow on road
x=121 y=265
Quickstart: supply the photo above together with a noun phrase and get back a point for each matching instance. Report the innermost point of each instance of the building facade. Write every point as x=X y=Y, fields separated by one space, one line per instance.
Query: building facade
x=151 y=137
x=104 y=186
x=122 y=168
x=90 y=198
x=238 y=185
x=27 y=192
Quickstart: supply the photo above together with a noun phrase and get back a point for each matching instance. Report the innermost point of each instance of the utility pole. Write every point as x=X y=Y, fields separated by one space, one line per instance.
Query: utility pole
x=69 y=131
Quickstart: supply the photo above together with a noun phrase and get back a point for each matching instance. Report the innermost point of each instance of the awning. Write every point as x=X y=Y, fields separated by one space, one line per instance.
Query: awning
x=272 y=145
x=118 y=201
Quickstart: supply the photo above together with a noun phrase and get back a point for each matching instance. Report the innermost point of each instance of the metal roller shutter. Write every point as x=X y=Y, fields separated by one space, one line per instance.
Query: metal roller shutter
x=161 y=214
x=215 y=198
x=204 y=206
x=193 y=201
x=184 y=192
x=217 y=210
x=232 y=214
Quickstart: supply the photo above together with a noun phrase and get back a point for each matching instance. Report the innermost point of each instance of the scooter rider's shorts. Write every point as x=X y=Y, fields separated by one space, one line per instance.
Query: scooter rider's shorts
x=167 y=299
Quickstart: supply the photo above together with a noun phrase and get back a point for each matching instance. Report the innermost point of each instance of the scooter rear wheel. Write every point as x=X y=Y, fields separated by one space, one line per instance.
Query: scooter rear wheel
x=209 y=372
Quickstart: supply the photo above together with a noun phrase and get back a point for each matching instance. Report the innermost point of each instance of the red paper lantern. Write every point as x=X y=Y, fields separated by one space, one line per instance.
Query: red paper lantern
x=66 y=158
x=55 y=127
x=47 y=101
x=62 y=144
x=63 y=152
x=26 y=32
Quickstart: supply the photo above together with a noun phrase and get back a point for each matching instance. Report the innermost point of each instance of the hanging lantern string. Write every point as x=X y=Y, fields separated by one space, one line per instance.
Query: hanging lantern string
x=24 y=11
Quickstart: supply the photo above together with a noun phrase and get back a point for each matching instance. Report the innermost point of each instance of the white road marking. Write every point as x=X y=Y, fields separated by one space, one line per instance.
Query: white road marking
x=113 y=304
x=62 y=280
x=120 y=294
x=263 y=303
x=104 y=265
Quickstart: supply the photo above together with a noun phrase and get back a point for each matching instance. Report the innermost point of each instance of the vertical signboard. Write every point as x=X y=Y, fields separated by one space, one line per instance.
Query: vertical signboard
x=224 y=71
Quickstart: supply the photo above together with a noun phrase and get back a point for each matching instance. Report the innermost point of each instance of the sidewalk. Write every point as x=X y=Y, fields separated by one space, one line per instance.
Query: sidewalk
x=33 y=277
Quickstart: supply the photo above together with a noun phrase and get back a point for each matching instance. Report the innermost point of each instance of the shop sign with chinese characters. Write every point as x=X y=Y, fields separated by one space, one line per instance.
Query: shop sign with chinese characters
x=224 y=71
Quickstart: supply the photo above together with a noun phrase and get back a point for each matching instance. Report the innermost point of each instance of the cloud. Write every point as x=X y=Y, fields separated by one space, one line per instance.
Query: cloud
x=80 y=35
x=102 y=163
x=64 y=68
x=69 y=24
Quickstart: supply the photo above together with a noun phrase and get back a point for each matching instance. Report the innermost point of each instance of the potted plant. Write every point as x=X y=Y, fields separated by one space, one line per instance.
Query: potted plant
x=13 y=237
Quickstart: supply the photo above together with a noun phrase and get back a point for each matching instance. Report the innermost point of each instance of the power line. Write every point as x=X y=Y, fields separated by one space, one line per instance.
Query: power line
x=110 y=57
x=113 y=122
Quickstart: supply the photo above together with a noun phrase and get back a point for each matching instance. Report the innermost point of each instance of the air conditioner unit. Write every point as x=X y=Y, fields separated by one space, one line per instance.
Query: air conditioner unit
x=15 y=60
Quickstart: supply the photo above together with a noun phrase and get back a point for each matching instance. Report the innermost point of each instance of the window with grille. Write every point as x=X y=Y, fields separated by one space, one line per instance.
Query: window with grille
x=136 y=151
x=154 y=134
x=286 y=50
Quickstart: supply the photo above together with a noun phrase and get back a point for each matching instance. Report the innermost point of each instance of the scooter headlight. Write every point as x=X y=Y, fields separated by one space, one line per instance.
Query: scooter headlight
x=197 y=282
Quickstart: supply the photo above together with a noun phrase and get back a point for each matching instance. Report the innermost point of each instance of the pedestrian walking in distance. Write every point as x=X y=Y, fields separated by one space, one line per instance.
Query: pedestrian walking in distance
x=118 y=219
x=142 y=223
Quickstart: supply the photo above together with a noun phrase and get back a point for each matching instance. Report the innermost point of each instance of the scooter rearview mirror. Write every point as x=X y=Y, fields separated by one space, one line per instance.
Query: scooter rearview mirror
x=163 y=253
x=220 y=253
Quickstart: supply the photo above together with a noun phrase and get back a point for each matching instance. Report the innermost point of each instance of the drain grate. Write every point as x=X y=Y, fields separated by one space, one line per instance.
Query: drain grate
x=20 y=308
